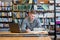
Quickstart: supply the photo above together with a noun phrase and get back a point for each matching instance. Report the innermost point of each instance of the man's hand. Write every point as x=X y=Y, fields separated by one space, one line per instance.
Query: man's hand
x=28 y=30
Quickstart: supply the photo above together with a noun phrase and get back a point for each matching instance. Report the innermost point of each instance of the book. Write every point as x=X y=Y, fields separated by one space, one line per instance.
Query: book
x=51 y=7
x=0 y=19
x=29 y=7
x=35 y=1
x=18 y=15
x=0 y=3
x=24 y=1
x=9 y=8
x=51 y=1
x=57 y=14
x=30 y=1
x=0 y=8
x=6 y=3
x=1 y=25
x=21 y=14
x=19 y=7
x=15 y=21
x=57 y=1
x=5 y=25
x=9 y=19
x=15 y=8
x=42 y=1
x=20 y=21
x=35 y=7
x=10 y=14
x=10 y=3
x=14 y=14
x=5 y=9
x=24 y=15
x=45 y=6
x=4 y=19
x=0 y=13
x=3 y=14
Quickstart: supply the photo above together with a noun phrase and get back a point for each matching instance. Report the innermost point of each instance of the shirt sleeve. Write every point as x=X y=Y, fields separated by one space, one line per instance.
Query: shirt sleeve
x=23 y=28
x=38 y=23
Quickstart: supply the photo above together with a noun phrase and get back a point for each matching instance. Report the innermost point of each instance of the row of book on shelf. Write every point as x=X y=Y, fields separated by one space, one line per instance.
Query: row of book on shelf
x=39 y=15
x=38 y=7
x=5 y=14
x=32 y=1
x=22 y=7
x=7 y=8
x=5 y=19
x=35 y=1
x=5 y=3
x=4 y=25
x=43 y=7
x=19 y=14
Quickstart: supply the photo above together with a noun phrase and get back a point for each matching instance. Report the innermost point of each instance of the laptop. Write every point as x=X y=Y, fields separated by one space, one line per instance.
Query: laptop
x=14 y=28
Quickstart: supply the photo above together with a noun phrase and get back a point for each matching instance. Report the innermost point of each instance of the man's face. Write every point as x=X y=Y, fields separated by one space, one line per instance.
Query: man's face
x=32 y=16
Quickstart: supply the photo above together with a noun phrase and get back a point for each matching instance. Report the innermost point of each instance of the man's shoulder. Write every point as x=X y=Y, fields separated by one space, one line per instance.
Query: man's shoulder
x=26 y=19
x=36 y=19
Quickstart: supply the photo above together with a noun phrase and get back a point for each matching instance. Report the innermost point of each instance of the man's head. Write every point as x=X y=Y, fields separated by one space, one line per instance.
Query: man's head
x=31 y=15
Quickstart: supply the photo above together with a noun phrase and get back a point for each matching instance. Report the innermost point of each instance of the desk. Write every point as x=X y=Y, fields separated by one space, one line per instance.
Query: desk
x=23 y=38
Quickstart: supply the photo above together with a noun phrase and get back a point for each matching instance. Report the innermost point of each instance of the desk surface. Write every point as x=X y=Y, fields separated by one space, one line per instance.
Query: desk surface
x=24 y=38
x=42 y=32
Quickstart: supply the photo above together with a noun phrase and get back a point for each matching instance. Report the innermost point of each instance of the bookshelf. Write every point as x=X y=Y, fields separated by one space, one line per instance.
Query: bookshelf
x=44 y=10
x=5 y=15
x=58 y=16
x=17 y=11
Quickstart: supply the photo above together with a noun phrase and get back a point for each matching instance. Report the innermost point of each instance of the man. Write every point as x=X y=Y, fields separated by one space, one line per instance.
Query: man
x=30 y=23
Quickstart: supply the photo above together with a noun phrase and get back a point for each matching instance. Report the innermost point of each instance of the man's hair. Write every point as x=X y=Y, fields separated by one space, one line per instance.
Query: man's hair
x=31 y=12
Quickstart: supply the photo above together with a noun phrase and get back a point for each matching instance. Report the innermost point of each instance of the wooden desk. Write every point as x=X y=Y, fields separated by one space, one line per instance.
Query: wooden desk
x=42 y=32
x=23 y=38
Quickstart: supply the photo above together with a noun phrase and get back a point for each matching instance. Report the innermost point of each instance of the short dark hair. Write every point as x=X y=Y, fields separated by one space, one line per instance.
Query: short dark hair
x=32 y=12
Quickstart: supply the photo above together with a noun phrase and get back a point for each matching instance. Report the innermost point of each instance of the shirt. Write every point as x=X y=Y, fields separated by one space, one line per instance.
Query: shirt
x=28 y=25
